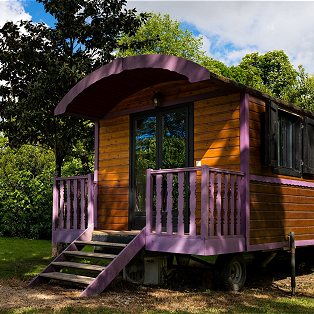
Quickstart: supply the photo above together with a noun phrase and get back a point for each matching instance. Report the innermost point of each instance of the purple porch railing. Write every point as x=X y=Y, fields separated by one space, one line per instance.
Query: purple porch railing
x=73 y=207
x=200 y=202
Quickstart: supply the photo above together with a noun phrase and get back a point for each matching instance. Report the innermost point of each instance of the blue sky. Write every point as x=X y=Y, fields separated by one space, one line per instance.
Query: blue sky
x=37 y=12
x=230 y=29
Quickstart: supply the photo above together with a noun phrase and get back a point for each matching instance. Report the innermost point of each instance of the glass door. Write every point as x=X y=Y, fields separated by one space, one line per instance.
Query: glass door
x=160 y=139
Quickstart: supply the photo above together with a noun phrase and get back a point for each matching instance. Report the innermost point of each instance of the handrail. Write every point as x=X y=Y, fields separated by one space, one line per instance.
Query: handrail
x=199 y=168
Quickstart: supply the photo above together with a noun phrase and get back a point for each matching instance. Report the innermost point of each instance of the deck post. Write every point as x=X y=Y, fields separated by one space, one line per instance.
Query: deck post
x=204 y=201
x=55 y=214
x=149 y=201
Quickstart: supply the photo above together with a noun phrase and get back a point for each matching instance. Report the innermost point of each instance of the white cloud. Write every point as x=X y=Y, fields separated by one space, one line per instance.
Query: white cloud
x=234 y=28
x=12 y=10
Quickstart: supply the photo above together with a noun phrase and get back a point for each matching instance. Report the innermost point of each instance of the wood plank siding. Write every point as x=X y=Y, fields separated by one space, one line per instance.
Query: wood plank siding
x=113 y=175
x=217 y=132
x=276 y=209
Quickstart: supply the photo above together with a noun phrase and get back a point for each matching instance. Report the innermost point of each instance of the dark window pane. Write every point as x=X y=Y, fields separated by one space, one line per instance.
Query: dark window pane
x=174 y=140
x=145 y=156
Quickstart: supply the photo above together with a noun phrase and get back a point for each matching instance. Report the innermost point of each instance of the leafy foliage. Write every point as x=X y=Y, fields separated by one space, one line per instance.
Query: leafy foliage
x=40 y=64
x=25 y=191
x=162 y=35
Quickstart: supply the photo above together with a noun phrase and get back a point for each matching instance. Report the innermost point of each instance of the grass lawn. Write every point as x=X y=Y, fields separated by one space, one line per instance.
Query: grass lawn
x=21 y=259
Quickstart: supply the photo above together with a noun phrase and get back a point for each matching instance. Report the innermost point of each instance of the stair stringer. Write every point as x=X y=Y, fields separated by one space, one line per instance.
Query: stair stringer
x=115 y=267
x=84 y=236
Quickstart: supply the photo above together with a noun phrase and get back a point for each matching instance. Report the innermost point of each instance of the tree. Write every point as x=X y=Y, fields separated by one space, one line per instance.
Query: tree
x=162 y=35
x=271 y=72
x=40 y=64
x=303 y=93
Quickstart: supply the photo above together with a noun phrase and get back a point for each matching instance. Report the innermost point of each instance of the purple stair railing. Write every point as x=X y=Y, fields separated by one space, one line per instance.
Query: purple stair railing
x=73 y=207
x=199 y=202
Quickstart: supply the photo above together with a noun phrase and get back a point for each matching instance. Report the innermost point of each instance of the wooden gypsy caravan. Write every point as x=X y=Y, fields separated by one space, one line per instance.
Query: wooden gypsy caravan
x=186 y=162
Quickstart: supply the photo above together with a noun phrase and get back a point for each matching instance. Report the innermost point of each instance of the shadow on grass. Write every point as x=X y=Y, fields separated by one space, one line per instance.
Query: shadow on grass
x=23 y=258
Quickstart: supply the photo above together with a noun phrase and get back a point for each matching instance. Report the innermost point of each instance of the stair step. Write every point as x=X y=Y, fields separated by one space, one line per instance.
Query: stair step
x=68 y=277
x=100 y=243
x=89 y=254
x=67 y=264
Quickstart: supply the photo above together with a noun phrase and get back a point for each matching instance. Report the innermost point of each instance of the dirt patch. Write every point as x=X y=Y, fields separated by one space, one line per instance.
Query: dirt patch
x=130 y=298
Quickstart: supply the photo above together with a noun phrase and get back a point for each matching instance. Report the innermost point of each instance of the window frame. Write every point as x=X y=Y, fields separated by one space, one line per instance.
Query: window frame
x=274 y=121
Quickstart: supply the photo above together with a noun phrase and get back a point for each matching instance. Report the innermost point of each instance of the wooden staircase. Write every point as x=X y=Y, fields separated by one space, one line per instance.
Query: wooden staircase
x=94 y=264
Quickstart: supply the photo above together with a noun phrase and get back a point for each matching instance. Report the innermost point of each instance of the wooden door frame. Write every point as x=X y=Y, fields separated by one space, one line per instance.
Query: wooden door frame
x=189 y=107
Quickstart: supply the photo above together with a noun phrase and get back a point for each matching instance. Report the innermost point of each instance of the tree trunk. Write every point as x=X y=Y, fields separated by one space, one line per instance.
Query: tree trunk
x=59 y=163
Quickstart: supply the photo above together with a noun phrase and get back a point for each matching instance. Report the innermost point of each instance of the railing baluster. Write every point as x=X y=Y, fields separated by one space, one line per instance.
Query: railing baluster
x=238 y=206
x=180 y=203
x=211 y=203
x=82 y=203
x=204 y=202
x=225 y=204
x=90 y=208
x=55 y=206
x=149 y=201
x=158 y=202
x=232 y=187
x=218 y=204
x=61 y=204
x=192 y=203
x=68 y=220
x=75 y=207
x=169 y=203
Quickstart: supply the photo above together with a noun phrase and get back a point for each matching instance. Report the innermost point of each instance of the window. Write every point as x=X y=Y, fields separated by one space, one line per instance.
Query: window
x=289 y=145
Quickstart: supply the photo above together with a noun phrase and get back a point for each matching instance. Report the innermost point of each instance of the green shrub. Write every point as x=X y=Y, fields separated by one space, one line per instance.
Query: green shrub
x=26 y=179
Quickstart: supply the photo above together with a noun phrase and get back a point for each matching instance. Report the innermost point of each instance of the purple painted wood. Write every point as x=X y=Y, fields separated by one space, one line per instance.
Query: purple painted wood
x=158 y=203
x=275 y=180
x=225 y=205
x=304 y=242
x=75 y=207
x=157 y=68
x=181 y=203
x=169 y=202
x=82 y=213
x=96 y=170
x=268 y=246
x=90 y=208
x=115 y=267
x=218 y=204
x=61 y=216
x=211 y=204
x=55 y=205
x=68 y=207
x=149 y=201
x=195 y=245
x=245 y=165
x=232 y=191
x=85 y=235
x=238 y=212
x=191 y=169
x=192 y=203
x=204 y=202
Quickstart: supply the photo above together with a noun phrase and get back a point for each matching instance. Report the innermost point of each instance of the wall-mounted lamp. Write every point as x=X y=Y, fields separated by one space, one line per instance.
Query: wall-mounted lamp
x=156 y=99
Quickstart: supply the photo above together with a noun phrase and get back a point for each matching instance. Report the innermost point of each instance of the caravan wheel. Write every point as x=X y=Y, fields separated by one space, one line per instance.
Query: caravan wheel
x=230 y=272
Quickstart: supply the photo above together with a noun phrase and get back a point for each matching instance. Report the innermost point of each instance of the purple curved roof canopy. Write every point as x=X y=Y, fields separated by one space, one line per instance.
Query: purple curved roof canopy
x=100 y=91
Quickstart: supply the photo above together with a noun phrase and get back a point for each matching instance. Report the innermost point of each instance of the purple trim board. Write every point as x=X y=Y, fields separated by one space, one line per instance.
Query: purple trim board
x=275 y=180
x=245 y=164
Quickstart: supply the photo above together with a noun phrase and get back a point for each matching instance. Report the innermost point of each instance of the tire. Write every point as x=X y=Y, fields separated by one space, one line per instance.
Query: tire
x=230 y=272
